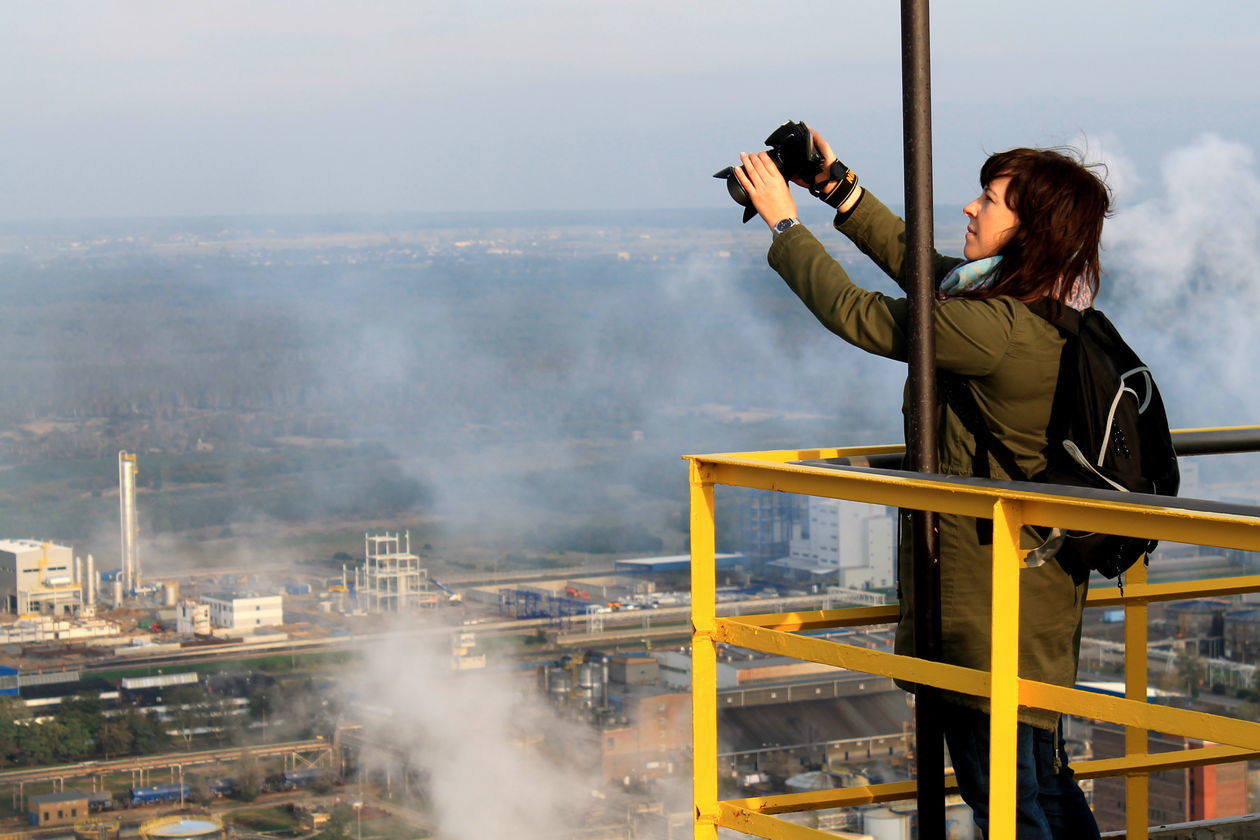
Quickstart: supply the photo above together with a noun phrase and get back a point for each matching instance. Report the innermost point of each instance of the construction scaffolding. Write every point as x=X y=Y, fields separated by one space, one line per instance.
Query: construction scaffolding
x=391 y=578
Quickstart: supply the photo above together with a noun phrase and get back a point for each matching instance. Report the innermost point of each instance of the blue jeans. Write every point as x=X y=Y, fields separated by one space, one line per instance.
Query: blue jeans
x=1049 y=803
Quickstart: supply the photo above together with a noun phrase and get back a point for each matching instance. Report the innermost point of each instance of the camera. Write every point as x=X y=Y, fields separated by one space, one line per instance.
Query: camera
x=792 y=150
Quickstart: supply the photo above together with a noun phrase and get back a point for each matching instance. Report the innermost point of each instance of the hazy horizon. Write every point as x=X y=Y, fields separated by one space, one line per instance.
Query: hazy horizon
x=137 y=108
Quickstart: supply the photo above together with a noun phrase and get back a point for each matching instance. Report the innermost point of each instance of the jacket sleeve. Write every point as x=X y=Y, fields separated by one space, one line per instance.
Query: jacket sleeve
x=881 y=235
x=972 y=336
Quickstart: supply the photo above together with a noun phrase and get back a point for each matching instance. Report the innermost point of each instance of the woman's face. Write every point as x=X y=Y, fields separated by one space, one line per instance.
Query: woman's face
x=990 y=223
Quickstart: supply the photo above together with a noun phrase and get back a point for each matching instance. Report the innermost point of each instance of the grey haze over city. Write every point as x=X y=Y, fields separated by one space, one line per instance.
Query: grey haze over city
x=227 y=120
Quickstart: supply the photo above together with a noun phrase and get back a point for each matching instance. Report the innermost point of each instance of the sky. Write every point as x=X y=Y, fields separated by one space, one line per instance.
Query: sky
x=119 y=108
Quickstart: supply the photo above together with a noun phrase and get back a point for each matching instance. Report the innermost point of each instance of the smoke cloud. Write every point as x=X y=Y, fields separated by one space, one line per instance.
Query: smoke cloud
x=1180 y=280
x=494 y=760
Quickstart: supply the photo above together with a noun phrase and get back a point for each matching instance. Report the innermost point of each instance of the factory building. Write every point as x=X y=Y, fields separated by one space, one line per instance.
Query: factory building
x=1176 y=796
x=44 y=629
x=1242 y=635
x=848 y=544
x=737 y=668
x=244 y=613
x=768 y=521
x=649 y=574
x=1199 y=624
x=192 y=618
x=62 y=808
x=39 y=577
x=653 y=743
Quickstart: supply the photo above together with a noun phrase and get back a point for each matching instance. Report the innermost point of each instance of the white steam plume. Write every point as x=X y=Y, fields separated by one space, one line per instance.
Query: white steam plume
x=1180 y=281
x=495 y=757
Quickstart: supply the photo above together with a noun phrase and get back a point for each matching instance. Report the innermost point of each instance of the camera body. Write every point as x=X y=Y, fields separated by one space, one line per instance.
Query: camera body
x=792 y=150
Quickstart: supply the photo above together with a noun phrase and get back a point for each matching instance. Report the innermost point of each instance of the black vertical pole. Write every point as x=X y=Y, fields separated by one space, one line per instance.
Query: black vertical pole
x=922 y=442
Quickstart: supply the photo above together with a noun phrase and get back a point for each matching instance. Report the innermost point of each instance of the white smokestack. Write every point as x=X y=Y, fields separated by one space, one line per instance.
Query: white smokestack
x=127 y=521
x=90 y=582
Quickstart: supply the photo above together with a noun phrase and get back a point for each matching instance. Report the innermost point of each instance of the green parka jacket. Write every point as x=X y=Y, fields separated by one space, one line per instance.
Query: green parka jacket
x=1013 y=357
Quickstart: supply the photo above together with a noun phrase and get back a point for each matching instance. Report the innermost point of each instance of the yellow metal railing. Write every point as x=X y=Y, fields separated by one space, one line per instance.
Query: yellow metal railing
x=1010 y=507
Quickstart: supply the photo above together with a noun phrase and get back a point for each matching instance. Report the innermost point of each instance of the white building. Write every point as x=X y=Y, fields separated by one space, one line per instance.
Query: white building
x=39 y=577
x=192 y=618
x=244 y=613
x=847 y=544
x=45 y=628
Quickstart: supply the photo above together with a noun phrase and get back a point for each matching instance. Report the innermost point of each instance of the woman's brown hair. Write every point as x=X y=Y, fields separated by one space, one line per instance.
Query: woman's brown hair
x=1060 y=203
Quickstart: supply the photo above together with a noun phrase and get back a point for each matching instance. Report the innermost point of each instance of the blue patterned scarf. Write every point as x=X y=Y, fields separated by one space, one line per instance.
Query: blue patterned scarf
x=983 y=273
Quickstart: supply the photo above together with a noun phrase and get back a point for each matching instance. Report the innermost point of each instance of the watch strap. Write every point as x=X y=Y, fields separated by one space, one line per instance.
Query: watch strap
x=785 y=224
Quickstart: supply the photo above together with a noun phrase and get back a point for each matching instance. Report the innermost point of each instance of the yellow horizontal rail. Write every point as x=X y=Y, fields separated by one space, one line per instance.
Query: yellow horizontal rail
x=1098 y=597
x=1043 y=508
x=823 y=619
x=1145 y=763
x=756 y=815
x=1200 y=725
x=838 y=655
x=900 y=791
x=772 y=828
x=1177 y=591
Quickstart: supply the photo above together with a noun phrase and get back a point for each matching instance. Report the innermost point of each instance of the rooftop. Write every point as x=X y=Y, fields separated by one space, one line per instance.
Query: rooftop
x=54 y=798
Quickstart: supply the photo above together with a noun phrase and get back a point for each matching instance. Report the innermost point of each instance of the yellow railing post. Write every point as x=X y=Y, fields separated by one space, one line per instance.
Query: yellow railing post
x=703 y=656
x=1004 y=702
x=1136 y=741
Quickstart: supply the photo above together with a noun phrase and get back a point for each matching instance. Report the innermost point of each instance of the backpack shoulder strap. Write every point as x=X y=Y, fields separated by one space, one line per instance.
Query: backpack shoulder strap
x=1069 y=322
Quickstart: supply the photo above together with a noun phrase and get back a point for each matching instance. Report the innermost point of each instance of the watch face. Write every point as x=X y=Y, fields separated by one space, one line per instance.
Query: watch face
x=784 y=225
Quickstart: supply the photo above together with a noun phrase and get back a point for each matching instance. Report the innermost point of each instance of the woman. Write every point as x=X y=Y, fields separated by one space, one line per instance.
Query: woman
x=1032 y=234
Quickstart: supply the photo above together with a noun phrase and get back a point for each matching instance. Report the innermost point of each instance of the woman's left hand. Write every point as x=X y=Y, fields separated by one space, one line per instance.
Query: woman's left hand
x=766 y=189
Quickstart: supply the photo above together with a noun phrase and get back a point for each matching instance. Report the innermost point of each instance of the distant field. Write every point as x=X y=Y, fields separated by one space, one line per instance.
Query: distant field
x=275 y=821
x=511 y=395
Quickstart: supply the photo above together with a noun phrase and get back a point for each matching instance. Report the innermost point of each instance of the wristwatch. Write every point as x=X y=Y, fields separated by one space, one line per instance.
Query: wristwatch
x=785 y=224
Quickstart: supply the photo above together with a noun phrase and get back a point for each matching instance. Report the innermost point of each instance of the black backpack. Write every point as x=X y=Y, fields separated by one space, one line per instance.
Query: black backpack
x=1108 y=430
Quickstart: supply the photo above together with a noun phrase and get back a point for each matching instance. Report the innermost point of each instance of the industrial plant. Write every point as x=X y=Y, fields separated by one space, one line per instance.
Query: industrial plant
x=603 y=645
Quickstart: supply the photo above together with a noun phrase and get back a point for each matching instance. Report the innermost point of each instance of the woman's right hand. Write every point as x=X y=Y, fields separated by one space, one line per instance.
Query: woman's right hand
x=829 y=157
x=824 y=177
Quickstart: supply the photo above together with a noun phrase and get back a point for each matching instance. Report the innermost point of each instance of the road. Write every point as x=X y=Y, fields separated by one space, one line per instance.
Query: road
x=619 y=625
x=151 y=762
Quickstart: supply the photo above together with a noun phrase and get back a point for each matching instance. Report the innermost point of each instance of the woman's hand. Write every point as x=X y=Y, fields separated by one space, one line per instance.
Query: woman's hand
x=769 y=193
x=829 y=157
x=824 y=177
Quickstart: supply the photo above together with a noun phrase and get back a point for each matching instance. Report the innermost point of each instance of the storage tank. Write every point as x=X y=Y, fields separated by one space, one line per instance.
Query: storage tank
x=182 y=827
x=558 y=682
x=98 y=828
x=591 y=682
x=885 y=824
x=170 y=593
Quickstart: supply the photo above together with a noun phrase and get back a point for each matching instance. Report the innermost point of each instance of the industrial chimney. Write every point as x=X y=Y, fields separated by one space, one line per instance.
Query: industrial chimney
x=90 y=585
x=128 y=522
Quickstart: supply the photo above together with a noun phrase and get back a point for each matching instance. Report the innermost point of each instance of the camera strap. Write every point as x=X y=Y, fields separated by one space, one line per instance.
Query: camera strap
x=846 y=182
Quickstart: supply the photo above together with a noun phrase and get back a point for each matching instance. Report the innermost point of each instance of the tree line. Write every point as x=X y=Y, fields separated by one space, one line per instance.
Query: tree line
x=83 y=728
